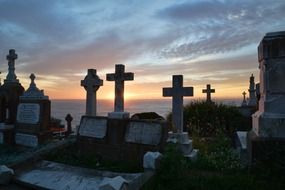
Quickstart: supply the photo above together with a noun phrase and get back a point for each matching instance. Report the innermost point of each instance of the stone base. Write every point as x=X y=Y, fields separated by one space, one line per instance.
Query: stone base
x=184 y=144
x=119 y=115
x=7 y=134
x=267 y=151
x=268 y=125
x=241 y=145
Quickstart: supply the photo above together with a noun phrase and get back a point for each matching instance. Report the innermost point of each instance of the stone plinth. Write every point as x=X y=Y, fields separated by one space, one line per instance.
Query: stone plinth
x=269 y=120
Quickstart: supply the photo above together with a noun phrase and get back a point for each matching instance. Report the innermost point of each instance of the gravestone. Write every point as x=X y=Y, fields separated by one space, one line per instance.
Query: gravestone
x=33 y=117
x=10 y=92
x=119 y=77
x=95 y=127
x=243 y=104
x=6 y=134
x=91 y=84
x=208 y=91
x=177 y=92
x=267 y=137
x=252 y=101
x=68 y=120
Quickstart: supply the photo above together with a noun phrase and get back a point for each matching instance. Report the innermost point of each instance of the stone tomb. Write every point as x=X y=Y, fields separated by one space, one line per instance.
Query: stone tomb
x=121 y=139
x=33 y=117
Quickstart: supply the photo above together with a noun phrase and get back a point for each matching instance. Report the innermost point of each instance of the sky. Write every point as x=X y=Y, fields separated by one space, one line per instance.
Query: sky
x=208 y=42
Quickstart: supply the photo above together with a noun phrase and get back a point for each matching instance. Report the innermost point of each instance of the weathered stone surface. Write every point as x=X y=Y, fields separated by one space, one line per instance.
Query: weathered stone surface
x=119 y=115
x=119 y=77
x=26 y=140
x=6 y=174
x=116 y=183
x=93 y=127
x=28 y=113
x=144 y=133
x=91 y=83
x=151 y=160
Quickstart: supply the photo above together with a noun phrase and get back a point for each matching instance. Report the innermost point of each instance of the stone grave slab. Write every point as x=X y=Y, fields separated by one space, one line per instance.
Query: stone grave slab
x=95 y=127
x=148 y=133
x=60 y=176
x=28 y=113
x=26 y=140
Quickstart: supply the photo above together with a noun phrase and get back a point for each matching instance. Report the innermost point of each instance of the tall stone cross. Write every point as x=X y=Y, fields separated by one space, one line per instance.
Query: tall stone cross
x=244 y=99
x=208 y=90
x=91 y=83
x=177 y=92
x=11 y=57
x=119 y=77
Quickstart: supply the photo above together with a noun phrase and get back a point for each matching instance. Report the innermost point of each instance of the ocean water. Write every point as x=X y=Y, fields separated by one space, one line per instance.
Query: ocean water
x=60 y=108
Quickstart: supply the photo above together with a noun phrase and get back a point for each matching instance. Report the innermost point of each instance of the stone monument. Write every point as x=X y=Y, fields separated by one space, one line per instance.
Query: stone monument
x=208 y=90
x=33 y=117
x=252 y=101
x=91 y=84
x=177 y=92
x=243 y=104
x=268 y=130
x=119 y=77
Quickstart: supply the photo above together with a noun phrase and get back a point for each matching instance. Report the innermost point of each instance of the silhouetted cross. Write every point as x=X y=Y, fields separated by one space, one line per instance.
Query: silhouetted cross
x=208 y=90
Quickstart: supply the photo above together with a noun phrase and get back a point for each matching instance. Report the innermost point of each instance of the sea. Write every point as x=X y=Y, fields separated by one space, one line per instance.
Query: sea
x=60 y=108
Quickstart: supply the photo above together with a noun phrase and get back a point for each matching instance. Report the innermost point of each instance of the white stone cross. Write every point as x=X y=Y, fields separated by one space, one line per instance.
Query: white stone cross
x=177 y=92
x=119 y=77
x=208 y=90
x=91 y=84
x=11 y=57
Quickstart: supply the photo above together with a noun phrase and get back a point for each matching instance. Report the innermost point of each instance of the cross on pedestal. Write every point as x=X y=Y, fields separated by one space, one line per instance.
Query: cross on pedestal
x=119 y=77
x=91 y=83
x=244 y=100
x=208 y=90
x=11 y=57
x=177 y=92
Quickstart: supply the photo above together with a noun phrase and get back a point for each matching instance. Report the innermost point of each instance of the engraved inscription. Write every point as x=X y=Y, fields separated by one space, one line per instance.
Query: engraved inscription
x=28 y=113
x=93 y=127
x=26 y=140
x=144 y=133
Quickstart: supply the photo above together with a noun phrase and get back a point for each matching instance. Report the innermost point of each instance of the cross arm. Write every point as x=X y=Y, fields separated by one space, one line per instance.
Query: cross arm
x=110 y=77
x=128 y=76
x=187 y=91
x=166 y=92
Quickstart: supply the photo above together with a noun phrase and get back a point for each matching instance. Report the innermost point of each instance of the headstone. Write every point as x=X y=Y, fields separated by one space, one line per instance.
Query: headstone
x=267 y=137
x=33 y=117
x=252 y=101
x=91 y=84
x=244 y=99
x=178 y=136
x=119 y=77
x=68 y=120
x=177 y=92
x=151 y=160
x=208 y=91
x=95 y=127
x=149 y=133
x=10 y=92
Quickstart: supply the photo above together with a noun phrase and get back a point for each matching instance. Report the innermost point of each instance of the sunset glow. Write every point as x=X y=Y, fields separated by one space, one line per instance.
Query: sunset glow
x=209 y=42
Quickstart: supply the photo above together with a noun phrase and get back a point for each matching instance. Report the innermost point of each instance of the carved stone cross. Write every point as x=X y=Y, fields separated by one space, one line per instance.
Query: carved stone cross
x=119 y=77
x=11 y=57
x=208 y=90
x=91 y=84
x=177 y=92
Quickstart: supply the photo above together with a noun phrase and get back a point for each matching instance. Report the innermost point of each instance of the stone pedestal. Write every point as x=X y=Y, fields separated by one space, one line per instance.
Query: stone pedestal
x=268 y=130
x=184 y=144
x=119 y=115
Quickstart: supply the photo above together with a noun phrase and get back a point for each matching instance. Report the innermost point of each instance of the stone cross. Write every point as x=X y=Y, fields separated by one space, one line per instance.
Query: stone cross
x=177 y=92
x=244 y=100
x=208 y=90
x=68 y=120
x=119 y=77
x=91 y=84
x=11 y=57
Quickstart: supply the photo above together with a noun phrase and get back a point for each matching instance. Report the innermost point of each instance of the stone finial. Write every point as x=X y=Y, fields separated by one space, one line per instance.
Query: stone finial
x=33 y=92
x=177 y=92
x=252 y=96
x=91 y=84
x=208 y=91
x=119 y=77
x=11 y=57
